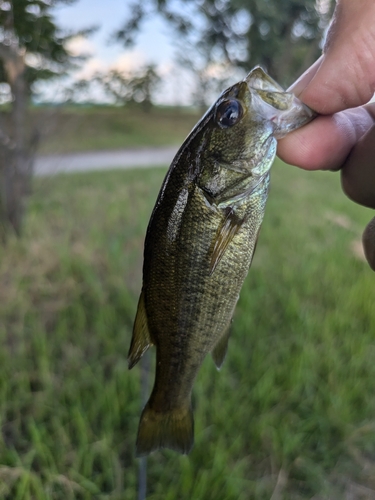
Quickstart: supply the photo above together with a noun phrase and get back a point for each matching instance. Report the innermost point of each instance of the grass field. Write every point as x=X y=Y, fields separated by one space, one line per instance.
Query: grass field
x=290 y=416
x=76 y=129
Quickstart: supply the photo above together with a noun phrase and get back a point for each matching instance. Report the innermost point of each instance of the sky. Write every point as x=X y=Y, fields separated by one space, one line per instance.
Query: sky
x=108 y=16
x=154 y=44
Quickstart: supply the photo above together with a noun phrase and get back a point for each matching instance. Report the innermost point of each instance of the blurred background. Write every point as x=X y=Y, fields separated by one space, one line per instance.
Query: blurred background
x=95 y=98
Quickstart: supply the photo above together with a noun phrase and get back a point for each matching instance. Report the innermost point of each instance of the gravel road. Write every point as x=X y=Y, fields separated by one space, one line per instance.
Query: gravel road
x=102 y=160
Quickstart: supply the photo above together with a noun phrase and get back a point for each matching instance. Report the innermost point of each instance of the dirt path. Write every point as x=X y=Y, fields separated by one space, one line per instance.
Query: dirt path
x=102 y=160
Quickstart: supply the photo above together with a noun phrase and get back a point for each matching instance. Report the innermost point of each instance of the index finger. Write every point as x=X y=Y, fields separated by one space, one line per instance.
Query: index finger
x=325 y=143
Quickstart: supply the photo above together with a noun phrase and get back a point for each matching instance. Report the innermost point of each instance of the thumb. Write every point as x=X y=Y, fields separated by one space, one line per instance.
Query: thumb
x=368 y=240
x=345 y=75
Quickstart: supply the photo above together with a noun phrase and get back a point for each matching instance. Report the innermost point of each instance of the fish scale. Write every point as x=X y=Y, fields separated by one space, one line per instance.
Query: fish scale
x=199 y=246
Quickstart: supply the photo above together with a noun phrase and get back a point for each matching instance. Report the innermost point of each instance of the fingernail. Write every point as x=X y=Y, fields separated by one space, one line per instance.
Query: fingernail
x=299 y=85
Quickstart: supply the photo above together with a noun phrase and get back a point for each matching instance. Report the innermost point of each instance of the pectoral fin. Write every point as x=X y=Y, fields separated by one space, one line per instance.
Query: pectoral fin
x=220 y=350
x=141 y=339
x=224 y=236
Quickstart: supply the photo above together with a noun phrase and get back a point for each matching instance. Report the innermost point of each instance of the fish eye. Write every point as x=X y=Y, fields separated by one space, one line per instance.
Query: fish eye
x=229 y=113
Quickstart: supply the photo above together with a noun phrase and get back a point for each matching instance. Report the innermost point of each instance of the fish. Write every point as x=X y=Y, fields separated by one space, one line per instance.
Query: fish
x=199 y=246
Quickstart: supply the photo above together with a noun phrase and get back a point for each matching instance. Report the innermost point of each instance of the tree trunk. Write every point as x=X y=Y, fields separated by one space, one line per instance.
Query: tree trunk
x=16 y=159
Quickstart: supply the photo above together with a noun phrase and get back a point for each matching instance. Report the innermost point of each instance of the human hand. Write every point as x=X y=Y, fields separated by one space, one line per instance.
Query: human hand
x=338 y=86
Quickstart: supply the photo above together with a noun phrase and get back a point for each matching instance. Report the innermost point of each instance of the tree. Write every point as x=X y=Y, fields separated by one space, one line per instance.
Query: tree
x=282 y=36
x=122 y=87
x=131 y=88
x=31 y=48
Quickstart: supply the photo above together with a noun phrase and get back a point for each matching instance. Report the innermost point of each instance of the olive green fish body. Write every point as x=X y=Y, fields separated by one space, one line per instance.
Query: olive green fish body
x=199 y=246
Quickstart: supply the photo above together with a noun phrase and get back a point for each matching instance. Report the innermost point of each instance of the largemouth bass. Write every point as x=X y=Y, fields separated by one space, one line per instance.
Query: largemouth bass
x=199 y=246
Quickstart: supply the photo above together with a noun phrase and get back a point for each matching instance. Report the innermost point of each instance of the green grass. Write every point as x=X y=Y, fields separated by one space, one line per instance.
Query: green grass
x=292 y=412
x=74 y=129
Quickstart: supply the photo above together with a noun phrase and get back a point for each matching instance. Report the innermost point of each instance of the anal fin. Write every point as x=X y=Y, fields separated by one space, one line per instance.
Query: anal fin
x=141 y=339
x=220 y=350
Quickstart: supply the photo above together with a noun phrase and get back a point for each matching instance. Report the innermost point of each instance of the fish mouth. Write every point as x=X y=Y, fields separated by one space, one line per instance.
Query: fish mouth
x=295 y=117
x=271 y=102
x=258 y=79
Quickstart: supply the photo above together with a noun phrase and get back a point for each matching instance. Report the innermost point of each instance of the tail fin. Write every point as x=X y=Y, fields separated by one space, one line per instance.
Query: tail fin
x=173 y=429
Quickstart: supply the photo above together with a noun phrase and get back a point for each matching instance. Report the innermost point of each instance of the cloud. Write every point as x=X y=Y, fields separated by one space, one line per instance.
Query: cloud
x=126 y=63
x=129 y=61
x=89 y=68
x=166 y=68
x=80 y=46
